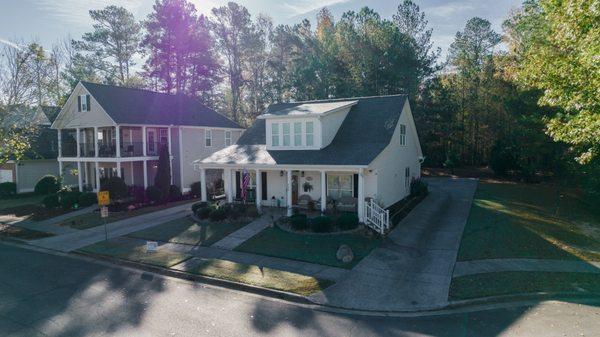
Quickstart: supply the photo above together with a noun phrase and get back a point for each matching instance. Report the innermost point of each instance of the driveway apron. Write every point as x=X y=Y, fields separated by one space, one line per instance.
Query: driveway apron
x=412 y=268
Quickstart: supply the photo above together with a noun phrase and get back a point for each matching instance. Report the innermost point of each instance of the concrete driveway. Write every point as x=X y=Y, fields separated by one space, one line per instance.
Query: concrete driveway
x=412 y=268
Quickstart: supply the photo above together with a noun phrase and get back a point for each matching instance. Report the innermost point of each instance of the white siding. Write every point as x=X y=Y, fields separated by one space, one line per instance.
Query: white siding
x=71 y=118
x=389 y=166
x=330 y=125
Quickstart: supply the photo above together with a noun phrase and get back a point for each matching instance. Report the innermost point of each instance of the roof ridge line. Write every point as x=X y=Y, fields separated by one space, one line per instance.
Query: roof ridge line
x=345 y=98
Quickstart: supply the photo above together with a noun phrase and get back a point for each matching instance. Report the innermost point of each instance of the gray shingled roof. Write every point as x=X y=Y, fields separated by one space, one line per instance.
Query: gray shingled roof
x=136 y=106
x=365 y=132
x=306 y=109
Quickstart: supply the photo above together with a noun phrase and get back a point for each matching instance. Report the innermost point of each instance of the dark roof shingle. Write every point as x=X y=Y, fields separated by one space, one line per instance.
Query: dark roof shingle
x=137 y=106
x=364 y=133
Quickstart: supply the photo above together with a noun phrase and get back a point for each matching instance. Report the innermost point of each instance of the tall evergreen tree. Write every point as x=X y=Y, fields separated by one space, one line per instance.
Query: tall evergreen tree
x=162 y=179
x=179 y=48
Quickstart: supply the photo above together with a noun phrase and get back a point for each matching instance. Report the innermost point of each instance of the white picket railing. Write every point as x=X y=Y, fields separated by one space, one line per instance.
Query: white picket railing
x=377 y=217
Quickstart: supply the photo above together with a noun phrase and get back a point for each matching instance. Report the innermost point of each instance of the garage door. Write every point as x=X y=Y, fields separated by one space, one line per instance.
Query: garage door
x=6 y=176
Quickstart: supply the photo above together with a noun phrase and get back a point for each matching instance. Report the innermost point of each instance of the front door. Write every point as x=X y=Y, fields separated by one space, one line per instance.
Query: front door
x=294 y=188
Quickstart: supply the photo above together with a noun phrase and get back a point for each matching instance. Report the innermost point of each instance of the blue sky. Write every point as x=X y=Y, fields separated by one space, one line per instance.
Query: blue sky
x=50 y=20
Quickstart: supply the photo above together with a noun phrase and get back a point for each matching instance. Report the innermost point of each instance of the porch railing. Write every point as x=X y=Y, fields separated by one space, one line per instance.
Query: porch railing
x=377 y=217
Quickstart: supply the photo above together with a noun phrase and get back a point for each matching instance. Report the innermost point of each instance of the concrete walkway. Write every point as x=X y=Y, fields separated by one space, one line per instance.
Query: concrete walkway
x=81 y=238
x=464 y=268
x=413 y=267
x=241 y=235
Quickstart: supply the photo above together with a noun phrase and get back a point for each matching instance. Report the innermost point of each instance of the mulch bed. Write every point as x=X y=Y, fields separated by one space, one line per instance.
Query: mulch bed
x=8 y=231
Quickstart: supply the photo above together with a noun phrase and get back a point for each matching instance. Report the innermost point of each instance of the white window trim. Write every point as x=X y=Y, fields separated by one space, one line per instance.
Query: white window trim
x=227 y=138
x=83 y=101
x=333 y=175
x=275 y=135
x=402 y=135
x=289 y=134
x=306 y=134
x=298 y=134
x=208 y=137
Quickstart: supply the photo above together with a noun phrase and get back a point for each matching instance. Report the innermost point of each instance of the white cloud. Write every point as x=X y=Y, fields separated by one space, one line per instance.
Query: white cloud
x=449 y=9
x=300 y=7
x=10 y=44
x=76 y=12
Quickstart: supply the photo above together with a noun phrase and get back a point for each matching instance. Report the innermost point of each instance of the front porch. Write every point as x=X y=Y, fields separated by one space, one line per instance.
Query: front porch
x=90 y=174
x=294 y=188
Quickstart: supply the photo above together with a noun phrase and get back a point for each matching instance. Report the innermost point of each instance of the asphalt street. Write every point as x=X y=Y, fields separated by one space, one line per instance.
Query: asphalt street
x=51 y=295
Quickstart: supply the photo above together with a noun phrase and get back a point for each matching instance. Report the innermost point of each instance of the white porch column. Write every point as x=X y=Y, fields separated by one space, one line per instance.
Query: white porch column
x=60 y=168
x=144 y=141
x=59 y=133
x=323 y=192
x=97 y=177
x=95 y=138
x=118 y=140
x=180 y=155
x=170 y=153
x=79 y=176
x=289 y=192
x=203 y=184
x=119 y=169
x=145 y=162
x=78 y=140
x=258 y=196
x=361 y=195
x=228 y=185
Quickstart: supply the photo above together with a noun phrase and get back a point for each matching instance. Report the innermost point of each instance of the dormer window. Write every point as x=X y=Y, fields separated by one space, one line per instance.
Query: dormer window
x=83 y=103
x=275 y=134
x=286 y=134
x=297 y=134
x=310 y=126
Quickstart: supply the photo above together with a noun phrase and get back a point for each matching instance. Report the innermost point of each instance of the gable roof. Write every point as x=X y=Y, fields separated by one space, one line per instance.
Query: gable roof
x=137 y=106
x=364 y=134
x=310 y=109
x=22 y=116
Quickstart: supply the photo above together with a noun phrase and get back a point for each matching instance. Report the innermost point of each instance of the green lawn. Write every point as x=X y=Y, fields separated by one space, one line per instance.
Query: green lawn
x=18 y=201
x=93 y=219
x=319 y=249
x=510 y=283
x=7 y=231
x=261 y=277
x=136 y=252
x=523 y=221
x=190 y=232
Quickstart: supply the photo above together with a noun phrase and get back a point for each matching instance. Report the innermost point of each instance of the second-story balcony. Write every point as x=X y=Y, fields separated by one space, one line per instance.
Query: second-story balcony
x=69 y=149
x=132 y=149
x=107 y=149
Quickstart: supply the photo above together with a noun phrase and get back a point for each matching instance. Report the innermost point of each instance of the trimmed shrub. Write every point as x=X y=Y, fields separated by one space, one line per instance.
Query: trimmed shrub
x=252 y=211
x=51 y=201
x=322 y=224
x=47 y=184
x=199 y=205
x=69 y=199
x=203 y=212
x=7 y=189
x=218 y=214
x=87 y=199
x=196 y=189
x=138 y=193
x=115 y=186
x=347 y=221
x=418 y=187
x=174 y=192
x=153 y=193
x=299 y=222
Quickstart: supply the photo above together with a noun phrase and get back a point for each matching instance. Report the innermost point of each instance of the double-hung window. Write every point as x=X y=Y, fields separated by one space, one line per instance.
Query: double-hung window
x=286 y=134
x=227 y=138
x=208 y=138
x=339 y=185
x=83 y=102
x=297 y=134
x=309 y=134
x=275 y=134
x=402 y=134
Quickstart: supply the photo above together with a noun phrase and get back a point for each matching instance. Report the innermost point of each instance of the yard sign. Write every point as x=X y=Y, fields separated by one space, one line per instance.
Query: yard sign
x=103 y=198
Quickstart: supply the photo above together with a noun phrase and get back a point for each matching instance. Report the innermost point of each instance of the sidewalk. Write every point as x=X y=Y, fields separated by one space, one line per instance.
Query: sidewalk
x=465 y=268
x=81 y=238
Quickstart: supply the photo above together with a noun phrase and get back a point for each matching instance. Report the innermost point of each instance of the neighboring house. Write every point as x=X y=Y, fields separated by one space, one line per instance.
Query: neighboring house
x=40 y=160
x=342 y=150
x=105 y=131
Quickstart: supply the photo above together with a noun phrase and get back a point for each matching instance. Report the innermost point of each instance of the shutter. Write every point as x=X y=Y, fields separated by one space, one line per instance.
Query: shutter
x=238 y=187
x=355 y=186
x=263 y=183
x=79 y=103
x=326 y=186
x=87 y=102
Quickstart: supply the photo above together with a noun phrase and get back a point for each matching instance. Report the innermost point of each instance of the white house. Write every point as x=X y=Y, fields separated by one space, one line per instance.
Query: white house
x=105 y=130
x=348 y=150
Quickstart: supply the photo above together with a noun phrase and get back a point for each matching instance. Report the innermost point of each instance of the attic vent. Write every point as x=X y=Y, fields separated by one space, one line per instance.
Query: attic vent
x=390 y=124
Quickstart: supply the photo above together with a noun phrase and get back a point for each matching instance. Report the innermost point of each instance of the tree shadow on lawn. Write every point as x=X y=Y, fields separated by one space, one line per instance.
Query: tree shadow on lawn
x=69 y=297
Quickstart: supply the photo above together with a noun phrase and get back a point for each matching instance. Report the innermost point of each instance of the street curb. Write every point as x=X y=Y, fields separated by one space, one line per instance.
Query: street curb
x=454 y=307
x=278 y=294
